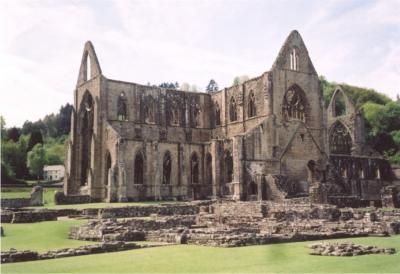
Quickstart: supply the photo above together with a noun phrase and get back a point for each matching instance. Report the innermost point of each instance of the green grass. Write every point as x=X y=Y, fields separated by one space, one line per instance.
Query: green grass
x=292 y=257
x=24 y=192
x=40 y=237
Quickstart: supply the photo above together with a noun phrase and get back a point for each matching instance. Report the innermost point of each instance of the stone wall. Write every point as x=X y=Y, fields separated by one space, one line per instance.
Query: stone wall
x=143 y=211
x=14 y=256
x=61 y=199
x=33 y=216
x=15 y=202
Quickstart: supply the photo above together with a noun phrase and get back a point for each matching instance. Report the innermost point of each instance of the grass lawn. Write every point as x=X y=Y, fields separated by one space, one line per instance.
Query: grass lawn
x=292 y=257
x=40 y=237
x=24 y=192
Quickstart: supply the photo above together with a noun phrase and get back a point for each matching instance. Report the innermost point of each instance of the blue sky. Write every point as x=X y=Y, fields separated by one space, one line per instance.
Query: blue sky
x=41 y=43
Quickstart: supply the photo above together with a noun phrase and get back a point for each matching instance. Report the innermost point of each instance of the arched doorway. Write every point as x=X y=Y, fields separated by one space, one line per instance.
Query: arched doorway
x=194 y=175
x=228 y=167
x=138 y=169
x=107 y=168
x=167 y=163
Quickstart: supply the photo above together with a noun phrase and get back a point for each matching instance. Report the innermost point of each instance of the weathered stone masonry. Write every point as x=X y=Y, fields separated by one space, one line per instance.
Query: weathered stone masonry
x=268 y=138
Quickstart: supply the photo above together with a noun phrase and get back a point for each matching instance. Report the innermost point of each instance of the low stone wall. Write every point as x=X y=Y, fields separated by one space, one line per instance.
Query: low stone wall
x=15 y=202
x=13 y=255
x=143 y=211
x=127 y=230
x=33 y=216
x=61 y=199
x=6 y=216
x=347 y=249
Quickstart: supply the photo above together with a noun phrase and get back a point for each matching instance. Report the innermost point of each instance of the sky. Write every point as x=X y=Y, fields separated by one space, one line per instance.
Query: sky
x=41 y=44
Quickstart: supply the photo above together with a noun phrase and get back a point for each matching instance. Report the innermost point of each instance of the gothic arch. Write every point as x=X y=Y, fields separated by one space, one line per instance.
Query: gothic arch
x=150 y=110
x=90 y=66
x=228 y=167
x=167 y=167
x=232 y=110
x=122 y=109
x=174 y=114
x=251 y=106
x=340 y=141
x=217 y=112
x=86 y=118
x=209 y=177
x=139 y=168
x=340 y=104
x=194 y=169
x=294 y=106
x=107 y=167
x=253 y=188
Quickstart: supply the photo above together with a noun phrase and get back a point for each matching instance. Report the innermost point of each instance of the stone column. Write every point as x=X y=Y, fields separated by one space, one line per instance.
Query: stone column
x=156 y=171
x=237 y=155
x=121 y=184
x=216 y=153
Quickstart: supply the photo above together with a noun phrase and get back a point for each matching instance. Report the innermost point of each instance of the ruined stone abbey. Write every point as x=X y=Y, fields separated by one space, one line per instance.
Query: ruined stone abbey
x=269 y=138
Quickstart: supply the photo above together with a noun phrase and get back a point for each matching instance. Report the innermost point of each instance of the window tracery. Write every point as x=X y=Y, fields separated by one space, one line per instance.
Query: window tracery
x=340 y=140
x=294 y=105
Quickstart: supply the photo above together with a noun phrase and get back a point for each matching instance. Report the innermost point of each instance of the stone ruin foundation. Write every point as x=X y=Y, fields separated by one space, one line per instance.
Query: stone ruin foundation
x=231 y=224
x=347 y=249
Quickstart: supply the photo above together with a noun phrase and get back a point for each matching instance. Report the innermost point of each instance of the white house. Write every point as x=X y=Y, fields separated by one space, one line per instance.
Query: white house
x=54 y=172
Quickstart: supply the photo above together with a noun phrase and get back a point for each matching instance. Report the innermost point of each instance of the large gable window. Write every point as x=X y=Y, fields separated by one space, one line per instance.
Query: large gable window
x=340 y=139
x=294 y=105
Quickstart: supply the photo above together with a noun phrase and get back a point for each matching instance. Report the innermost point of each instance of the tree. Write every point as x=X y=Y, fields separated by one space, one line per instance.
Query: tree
x=194 y=88
x=185 y=87
x=36 y=138
x=240 y=79
x=13 y=155
x=212 y=86
x=13 y=134
x=36 y=160
x=3 y=126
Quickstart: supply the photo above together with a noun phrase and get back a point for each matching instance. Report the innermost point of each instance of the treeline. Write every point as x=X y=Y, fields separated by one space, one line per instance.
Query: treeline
x=382 y=117
x=26 y=150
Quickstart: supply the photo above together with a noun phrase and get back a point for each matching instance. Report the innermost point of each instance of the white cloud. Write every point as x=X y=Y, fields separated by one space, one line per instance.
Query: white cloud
x=41 y=43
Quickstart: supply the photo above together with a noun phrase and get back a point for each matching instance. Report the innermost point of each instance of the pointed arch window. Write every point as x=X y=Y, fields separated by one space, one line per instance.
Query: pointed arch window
x=122 y=110
x=232 y=110
x=294 y=105
x=149 y=110
x=339 y=104
x=174 y=114
x=340 y=139
x=251 y=108
x=86 y=126
x=167 y=164
x=217 y=114
x=138 y=168
x=294 y=60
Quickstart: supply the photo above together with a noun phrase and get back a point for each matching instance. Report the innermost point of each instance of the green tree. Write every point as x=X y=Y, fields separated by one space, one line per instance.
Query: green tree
x=13 y=134
x=240 y=79
x=212 y=86
x=35 y=138
x=36 y=160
